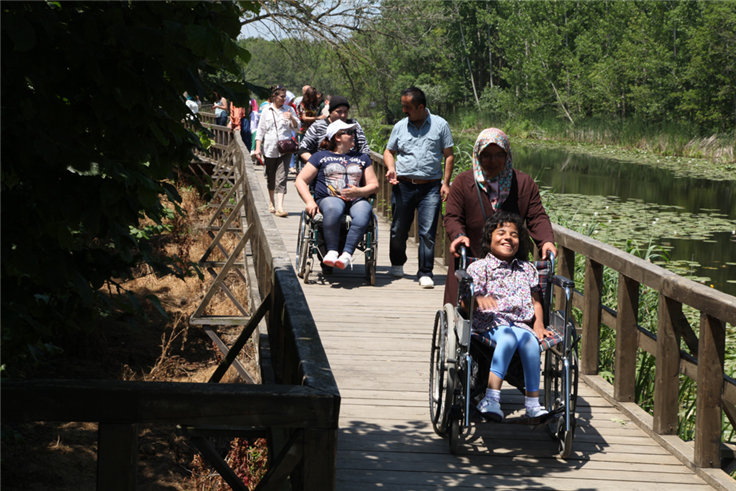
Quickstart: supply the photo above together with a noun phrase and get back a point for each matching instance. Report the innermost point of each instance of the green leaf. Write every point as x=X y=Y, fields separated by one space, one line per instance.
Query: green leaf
x=82 y=286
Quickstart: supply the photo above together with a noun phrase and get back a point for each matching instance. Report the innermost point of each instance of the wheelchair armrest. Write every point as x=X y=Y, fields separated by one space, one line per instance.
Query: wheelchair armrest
x=563 y=282
x=462 y=276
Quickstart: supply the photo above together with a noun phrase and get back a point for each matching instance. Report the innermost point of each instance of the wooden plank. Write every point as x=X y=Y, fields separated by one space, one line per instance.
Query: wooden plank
x=708 y=408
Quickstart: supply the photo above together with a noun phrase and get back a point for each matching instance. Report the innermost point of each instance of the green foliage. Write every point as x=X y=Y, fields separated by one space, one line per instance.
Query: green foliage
x=92 y=133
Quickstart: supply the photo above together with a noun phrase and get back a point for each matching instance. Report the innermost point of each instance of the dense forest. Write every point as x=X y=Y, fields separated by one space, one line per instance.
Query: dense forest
x=660 y=63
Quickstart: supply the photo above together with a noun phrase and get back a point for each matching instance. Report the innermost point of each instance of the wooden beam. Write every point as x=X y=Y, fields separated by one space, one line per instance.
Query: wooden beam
x=122 y=402
x=708 y=410
x=667 y=371
x=627 y=343
x=591 y=317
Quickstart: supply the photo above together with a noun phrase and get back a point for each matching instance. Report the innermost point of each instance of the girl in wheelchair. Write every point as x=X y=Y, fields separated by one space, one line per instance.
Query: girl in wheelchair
x=508 y=310
x=343 y=180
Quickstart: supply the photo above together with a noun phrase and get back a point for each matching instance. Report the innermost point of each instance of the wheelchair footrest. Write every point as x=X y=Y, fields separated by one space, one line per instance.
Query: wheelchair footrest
x=541 y=420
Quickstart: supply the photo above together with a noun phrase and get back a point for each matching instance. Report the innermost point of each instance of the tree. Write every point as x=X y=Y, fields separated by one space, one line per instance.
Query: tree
x=92 y=134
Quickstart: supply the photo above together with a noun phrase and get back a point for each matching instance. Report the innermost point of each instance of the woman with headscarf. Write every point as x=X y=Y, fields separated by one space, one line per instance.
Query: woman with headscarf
x=491 y=185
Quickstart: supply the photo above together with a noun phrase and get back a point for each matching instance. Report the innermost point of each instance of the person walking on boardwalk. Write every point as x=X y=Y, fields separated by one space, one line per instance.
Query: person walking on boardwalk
x=339 y=109
x=414 y=154
x=278 y=120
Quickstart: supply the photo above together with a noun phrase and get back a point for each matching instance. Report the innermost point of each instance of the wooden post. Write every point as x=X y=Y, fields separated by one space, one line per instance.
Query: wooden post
x=117 y=456
x=319 y=462
x=626 y=339
x=591 y=317
x=708 y=410
x=566 y=268
x=667 y=373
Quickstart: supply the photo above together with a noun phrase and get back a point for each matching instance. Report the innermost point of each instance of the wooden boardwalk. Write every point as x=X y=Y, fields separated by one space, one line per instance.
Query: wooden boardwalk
x=378 y=343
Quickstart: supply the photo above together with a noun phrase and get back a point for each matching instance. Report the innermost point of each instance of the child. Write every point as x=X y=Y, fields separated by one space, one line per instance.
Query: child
x=508 y=310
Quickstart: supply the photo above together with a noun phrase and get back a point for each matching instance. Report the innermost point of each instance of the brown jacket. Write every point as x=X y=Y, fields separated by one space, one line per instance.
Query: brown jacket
x=463 y=215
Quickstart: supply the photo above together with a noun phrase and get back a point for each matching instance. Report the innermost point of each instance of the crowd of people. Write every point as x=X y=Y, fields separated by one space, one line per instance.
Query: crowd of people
x=487 y=208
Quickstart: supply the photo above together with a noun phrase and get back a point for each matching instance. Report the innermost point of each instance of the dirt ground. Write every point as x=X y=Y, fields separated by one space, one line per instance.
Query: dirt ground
x=63 y=455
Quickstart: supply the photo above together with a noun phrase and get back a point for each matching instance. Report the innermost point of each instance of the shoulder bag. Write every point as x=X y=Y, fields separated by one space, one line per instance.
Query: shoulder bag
x=287 y=146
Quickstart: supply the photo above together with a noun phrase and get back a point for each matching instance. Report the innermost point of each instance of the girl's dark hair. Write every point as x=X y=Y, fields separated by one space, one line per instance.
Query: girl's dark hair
x=497 y=220
x=310 y=97
x=330 y=145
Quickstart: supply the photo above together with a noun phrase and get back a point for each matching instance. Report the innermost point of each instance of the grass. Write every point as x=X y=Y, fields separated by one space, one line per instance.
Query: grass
x=666 y=139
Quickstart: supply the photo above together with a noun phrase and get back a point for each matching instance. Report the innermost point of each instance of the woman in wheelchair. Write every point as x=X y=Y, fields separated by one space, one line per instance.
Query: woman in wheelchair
x=343 y=180
x=508 y=310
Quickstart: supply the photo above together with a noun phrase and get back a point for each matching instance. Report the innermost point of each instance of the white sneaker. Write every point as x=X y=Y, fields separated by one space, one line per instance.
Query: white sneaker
x=536 y=412
x=344 y=260
x=330 y=258
x=490 y=409
x=397 y=271
x=426 y=282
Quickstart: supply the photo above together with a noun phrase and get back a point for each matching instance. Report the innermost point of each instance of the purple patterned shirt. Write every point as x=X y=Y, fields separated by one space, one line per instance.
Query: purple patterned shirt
x=511 y=285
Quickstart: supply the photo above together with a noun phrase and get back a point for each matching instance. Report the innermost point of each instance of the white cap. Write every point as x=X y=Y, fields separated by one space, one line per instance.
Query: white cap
x=338 y=125
x=289 y=97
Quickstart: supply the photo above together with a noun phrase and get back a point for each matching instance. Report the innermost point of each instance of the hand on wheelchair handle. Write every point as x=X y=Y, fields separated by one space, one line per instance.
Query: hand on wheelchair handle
x=455 y=245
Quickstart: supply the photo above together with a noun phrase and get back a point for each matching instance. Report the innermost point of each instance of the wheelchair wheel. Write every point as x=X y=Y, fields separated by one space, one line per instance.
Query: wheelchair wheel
x=554 y=397
x=371 y=249
x=301 y=246
x=454 y=435
x=438 y=375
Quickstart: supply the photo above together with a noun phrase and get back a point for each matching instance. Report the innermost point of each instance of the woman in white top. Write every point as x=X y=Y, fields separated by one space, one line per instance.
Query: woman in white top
x=277 y=122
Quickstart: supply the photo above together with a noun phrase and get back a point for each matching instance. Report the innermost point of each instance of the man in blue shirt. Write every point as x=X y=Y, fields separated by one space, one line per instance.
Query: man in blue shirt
x=414 y=155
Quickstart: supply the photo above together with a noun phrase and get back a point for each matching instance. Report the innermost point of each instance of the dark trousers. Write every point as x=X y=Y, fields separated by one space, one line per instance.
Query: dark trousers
x=426 y=200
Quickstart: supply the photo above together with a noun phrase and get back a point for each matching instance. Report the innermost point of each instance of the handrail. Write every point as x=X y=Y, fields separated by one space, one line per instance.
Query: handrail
x=299 y=410
x=715 y=391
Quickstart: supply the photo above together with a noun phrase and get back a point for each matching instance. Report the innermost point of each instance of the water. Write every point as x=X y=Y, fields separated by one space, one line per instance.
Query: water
x=694 y=219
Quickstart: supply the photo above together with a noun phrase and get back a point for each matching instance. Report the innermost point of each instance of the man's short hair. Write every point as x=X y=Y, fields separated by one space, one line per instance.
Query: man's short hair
x=417 y=96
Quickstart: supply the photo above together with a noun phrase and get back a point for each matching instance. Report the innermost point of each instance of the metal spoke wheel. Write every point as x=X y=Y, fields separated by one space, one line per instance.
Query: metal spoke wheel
x=554 y=397
x=438 y=374
x=300 y=245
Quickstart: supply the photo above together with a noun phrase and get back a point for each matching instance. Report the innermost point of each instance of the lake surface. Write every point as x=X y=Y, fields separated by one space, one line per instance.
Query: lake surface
x=694 y=220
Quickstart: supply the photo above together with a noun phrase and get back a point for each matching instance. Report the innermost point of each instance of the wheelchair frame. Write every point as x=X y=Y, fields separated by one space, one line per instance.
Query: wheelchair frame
x=307 y=246
x=451 y=395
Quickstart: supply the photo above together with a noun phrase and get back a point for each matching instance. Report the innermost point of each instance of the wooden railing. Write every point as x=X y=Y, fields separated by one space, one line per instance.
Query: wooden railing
x=296 y=407
x=716 y=393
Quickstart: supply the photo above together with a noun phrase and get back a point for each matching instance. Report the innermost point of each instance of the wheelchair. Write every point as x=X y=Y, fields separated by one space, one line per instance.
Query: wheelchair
x=310 y=243
x=460 y=362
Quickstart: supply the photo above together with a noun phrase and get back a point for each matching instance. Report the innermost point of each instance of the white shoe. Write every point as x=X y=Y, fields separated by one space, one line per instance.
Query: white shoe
x=490 y=409
x=344 y=260
x=426 y=282
x=536 y=412
x=397 y=271
x=330 y=258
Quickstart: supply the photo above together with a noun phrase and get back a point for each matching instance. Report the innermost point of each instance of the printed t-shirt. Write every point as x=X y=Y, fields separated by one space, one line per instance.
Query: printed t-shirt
x=335 y=171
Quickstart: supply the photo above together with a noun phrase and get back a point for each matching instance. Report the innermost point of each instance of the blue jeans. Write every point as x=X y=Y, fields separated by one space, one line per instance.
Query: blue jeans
x=509 y=339
x=332 y=209
x=245 y=133
x=405 y=198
